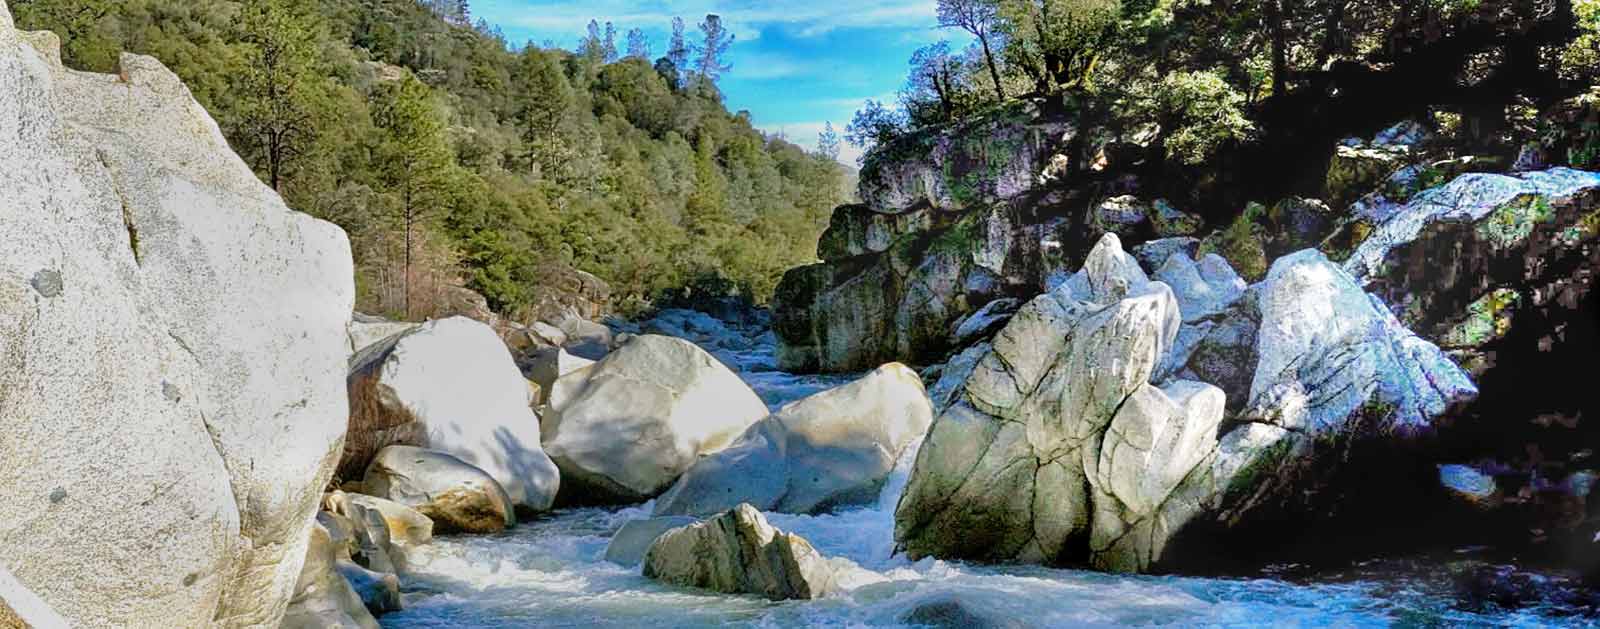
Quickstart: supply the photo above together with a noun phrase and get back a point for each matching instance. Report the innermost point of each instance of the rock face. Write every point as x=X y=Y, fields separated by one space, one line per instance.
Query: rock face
x=365 y=330
x=983 y=160
x=1057 y=449
x=901 y=304
x=1500 y=271
x=625 y=428
x=831 y=449
x=322 y=596
x=455 y=495
x=450 y=385
x=857 y=230
x=738 y=552
x=162 y=315
x=546 y=365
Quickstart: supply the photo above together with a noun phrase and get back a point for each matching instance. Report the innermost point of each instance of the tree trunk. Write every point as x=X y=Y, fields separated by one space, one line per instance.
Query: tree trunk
x=1280 y=46
x=944 y=96
x=1332 y=31
x=410 y=219
x=994 y=71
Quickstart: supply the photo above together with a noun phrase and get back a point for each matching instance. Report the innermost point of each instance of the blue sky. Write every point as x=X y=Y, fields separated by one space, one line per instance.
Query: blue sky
x=796 y=63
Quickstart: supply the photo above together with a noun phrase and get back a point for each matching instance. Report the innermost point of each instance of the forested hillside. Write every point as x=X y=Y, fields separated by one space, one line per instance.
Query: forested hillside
x=450 y=154
x=1224 y=102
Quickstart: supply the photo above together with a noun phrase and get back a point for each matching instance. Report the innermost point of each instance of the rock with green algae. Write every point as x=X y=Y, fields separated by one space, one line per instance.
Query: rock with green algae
x=986 y=159
x=902 y=303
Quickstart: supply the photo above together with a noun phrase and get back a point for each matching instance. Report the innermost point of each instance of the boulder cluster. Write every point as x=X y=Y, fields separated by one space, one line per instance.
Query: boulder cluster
x=178 y=350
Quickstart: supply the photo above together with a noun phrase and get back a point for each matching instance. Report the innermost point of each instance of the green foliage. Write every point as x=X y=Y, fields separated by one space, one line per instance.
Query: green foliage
x=402 y=123
x=1242 y=243
x=1198 y=113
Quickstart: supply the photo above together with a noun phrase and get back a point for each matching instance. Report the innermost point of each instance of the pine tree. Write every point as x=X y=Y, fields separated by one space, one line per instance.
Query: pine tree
x=828 y=142
x=678 y=50
x=608 y=46
x=415 y=161
x=281 y=87
x=638 y=44
x=713 y=49
x=545 y=102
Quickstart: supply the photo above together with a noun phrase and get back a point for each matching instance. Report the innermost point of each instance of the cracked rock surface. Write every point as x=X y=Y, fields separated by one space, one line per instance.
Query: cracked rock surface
x=172 y=349
x=1078 y=439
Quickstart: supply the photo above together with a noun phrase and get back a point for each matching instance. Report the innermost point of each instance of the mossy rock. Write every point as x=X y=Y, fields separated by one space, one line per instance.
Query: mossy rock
x=1242 y=243
x=1347 y=236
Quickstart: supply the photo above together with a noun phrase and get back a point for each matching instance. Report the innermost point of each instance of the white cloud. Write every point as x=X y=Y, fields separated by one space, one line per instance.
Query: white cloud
x=759 y=66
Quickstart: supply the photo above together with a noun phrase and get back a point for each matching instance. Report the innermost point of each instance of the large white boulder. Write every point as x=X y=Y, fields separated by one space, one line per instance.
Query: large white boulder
x=172 y=351
x=451 y=385
x=831 y=449
x=738 y=552
x=625 y=428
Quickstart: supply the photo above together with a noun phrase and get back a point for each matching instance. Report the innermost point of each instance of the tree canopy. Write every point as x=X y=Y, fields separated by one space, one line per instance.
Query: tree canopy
x=450 y=154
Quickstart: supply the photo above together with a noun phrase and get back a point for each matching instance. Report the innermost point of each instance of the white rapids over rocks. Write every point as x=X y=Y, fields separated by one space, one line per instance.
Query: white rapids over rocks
x=551 y=573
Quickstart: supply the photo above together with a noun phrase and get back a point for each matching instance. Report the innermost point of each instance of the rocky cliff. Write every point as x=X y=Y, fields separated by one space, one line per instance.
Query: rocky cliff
x=953 y=218
x=1342 y=341
x=172 y=353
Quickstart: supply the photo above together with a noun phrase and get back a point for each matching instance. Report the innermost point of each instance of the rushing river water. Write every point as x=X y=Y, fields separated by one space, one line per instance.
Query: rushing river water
x=550 y=573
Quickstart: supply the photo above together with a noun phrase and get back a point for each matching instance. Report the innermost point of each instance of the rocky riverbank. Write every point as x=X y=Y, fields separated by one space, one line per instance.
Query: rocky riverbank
x=1030 y=378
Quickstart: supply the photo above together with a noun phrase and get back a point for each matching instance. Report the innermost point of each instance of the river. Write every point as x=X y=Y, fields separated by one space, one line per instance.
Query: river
x=550 y=573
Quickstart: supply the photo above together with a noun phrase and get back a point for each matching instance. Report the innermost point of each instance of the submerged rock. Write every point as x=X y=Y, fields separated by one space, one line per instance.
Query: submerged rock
x=450 y=385
x=625 y=428
x=455 y=495
x=952 y=611
x=738 y=552
x=172 y=342
x=831 y=449
x=1057 y=450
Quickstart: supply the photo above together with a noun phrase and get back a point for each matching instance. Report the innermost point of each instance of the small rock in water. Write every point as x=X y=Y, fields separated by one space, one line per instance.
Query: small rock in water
x=738 y=552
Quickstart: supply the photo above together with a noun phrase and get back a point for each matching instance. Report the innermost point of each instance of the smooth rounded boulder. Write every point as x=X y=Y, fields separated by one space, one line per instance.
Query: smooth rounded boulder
x=172 y=349
x=625 y=428
x=738 y=552
x=831 y=449
x=450 y=385
x=458 y=497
